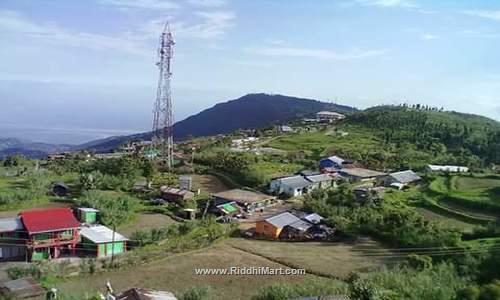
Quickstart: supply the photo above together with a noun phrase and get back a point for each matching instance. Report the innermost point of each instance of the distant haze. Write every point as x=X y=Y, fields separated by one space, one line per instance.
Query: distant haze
x=88 y=67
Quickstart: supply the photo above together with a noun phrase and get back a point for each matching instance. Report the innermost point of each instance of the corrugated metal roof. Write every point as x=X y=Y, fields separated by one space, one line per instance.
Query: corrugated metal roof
x=405 y=176
x=243 y=196
x=144 y=294
x=313 y=218
x=360 y=172
x=282 y=219
x=297 y=182
x=46 y=220
x=300 y=225
x=10 y=224
x=319 y=178
x=88 y=209
x=448 y=168
x=101 y=234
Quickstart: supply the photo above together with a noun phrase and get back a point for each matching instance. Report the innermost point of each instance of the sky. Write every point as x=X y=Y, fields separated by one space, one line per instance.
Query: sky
x=73 y=71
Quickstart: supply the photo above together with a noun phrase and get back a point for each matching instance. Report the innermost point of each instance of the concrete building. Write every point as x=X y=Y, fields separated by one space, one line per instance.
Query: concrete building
x=448 y=169
x=329 y=116
x=292 y=186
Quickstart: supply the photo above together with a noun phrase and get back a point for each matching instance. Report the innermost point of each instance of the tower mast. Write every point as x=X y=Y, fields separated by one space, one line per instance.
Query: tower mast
x=162 y=140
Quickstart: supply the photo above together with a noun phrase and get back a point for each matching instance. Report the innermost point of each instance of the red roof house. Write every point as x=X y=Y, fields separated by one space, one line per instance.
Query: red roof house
x=46 y=220
x=50 y=232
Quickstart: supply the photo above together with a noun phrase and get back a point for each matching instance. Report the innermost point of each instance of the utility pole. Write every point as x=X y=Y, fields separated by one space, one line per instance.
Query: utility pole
x=162 y=140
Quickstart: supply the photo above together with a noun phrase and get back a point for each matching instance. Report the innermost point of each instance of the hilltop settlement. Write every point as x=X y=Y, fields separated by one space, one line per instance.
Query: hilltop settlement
x=364 y=201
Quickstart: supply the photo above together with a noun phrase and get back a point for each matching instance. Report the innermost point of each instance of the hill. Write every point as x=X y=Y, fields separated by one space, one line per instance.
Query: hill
x=247 y=112
x=12 y=146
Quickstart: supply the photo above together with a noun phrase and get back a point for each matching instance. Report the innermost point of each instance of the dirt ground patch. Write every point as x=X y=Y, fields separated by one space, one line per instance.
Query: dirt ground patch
x=176 y=274
x=336 y=259
x=145 y=221
x=208 y=184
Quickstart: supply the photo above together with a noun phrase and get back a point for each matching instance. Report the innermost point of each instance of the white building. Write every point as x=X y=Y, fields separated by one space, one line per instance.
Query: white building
x=329 y=116
x=450 y=169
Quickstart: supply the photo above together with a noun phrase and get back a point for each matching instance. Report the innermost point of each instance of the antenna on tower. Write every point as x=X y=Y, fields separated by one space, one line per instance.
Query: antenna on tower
x=163 y=139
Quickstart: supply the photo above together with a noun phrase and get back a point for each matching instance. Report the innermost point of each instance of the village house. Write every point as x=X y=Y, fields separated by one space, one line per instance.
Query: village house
x=249 y=201
x=321 y=181
x=329 y=116
x=272 y=226
x=87 y=215
x=12 y=246
x=223 y=209
x=295 y=225
x=102 y=241
x=301 y=184
x=49 y=232
x=334 y=163
x=175 y=194
x=448 y=169
x=292 y=186
x=400 y=179
x=360 y=174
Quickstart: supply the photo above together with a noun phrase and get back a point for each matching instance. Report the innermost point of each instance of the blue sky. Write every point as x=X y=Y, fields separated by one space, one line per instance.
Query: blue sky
x=71 y=71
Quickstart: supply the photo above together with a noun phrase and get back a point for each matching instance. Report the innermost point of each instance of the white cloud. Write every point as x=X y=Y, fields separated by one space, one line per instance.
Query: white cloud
x=488 y=14
x=428 y=37
x=213 y=25
x=472 y=33
x=207 y=3
x=388 y=3
x=142 y=4
x=314 y=53
x=13 y=25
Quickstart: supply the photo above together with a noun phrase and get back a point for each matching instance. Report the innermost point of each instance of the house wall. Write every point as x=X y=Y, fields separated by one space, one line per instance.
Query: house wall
x=265 y=228
x=106 y=249
x=11 y=252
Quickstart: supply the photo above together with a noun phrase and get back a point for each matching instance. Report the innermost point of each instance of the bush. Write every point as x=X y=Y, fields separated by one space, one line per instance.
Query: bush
x=197 y=293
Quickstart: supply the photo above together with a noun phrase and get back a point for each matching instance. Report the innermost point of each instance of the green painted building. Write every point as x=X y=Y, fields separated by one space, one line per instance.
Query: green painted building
x=100 y=241
x=87 y=215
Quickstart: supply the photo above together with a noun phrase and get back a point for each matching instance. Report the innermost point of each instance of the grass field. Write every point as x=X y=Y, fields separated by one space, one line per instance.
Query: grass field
x=208 y=184
x=446 y=220
x=176 y=274
x=330 y=259
x=145 y=221
x=323 y=143
x=479 y=194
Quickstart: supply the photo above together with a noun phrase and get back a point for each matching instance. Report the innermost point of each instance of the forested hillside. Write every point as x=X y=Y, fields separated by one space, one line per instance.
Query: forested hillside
x=468 y=139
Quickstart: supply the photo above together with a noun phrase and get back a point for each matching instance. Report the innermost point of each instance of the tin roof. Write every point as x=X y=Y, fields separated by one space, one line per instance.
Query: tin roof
x=319 y=178
x=144 y=294
x=313 y=218
x=101 y=234
x=405 y=176
x=360 y=172
x=46 y=220
x=243 y=196
x=300 y=225
x=282 y=219
x=10 y=224
x=88 y=209
x=295 y=181
x=21 y=288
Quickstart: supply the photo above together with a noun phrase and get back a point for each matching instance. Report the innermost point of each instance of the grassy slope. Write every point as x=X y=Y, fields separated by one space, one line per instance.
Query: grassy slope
x=176 y=274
